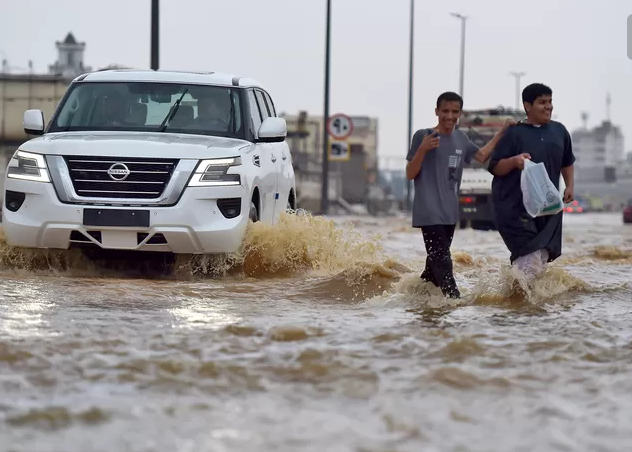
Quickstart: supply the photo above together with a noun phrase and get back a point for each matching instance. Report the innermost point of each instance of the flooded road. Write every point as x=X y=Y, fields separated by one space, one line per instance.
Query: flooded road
x=322 y=338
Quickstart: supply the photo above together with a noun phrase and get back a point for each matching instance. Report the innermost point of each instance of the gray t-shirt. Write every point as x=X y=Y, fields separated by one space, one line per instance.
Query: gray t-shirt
x=436 y=199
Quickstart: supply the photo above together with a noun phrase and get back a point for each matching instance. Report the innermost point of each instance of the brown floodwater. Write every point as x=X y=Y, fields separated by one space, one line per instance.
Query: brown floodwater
x=320 y=336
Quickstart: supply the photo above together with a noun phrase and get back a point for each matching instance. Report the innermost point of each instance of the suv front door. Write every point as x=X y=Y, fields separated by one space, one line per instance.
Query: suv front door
x=268 y=186
x=281 y=152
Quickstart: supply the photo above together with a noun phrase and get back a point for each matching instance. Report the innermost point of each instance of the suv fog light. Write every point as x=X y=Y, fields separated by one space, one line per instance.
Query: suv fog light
x=14 y=200
x=230 y=207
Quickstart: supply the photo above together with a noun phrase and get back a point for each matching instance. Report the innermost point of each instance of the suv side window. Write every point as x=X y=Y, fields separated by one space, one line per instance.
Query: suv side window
x=262 y=105
x=255 y=114
x=271 y=108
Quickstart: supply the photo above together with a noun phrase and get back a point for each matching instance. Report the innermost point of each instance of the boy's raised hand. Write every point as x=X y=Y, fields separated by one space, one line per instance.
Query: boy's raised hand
x=430 y=141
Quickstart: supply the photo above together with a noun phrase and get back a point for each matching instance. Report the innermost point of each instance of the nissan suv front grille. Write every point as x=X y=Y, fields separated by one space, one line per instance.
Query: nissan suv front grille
x=112 y=177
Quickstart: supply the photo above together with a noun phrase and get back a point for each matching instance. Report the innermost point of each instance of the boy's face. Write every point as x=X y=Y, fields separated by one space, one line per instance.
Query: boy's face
x=448 y=113
x=541 y=109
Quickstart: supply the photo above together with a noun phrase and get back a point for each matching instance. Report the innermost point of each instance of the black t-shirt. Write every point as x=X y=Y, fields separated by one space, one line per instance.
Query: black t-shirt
x=551 y=145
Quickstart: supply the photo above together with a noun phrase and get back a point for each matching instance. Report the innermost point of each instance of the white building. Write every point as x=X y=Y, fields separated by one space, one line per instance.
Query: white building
x=624 y=169
x=599 y=151
x=69 y=62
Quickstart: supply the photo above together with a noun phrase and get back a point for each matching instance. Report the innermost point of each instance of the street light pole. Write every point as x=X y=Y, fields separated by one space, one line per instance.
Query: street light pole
x=517 y=76
x=155 y=35
x=324 y=197
x=463 y=19
x=409 y=183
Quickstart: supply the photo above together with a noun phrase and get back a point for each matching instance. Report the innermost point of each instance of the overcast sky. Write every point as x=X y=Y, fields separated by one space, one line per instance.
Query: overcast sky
x=578 y=47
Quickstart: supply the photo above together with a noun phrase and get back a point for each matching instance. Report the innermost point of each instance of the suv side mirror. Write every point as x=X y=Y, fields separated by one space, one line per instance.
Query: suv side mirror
x=272 y=130
x=34 y=122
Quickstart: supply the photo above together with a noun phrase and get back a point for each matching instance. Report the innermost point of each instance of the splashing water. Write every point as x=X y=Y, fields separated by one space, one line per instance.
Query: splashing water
x=295 y=244
x=508 y=283
x=352 y=265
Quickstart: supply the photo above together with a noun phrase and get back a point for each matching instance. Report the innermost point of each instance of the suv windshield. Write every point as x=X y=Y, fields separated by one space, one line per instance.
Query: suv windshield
x=145 y=106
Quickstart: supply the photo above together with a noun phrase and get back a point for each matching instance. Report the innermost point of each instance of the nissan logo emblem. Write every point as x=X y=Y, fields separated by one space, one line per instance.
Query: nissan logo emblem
x=119 y=172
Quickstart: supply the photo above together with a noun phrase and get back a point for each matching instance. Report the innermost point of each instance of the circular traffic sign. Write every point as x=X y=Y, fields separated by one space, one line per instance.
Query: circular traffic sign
x=340 y=126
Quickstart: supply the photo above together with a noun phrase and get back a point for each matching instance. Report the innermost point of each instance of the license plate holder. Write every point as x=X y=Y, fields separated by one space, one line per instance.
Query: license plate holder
x=116 y=218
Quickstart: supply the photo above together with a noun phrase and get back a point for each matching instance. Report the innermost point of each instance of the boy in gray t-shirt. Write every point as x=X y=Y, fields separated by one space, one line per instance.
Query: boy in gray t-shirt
x=435 y=163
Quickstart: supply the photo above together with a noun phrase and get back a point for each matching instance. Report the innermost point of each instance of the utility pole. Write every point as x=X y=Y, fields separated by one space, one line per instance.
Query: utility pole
x=324 y=199
x=155 y=35
x=409 y=183
x=463 y=19
x=518 y=76
x=5 y=71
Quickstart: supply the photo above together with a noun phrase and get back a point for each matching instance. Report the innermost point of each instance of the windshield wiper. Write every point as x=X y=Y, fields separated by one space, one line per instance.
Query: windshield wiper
x=172 y=112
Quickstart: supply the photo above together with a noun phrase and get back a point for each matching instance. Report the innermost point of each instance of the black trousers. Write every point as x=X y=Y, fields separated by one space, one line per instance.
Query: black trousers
x=439 y=269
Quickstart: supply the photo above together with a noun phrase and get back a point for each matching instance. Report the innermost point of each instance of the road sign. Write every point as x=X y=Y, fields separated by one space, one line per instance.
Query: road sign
x=339 y=151
x=340 y=126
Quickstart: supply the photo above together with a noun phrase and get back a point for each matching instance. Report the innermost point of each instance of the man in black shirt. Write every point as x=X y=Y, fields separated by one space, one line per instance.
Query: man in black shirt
x=533 y=242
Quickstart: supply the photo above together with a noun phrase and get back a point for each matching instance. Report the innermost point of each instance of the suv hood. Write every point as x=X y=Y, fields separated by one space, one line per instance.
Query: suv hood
x=135 y=144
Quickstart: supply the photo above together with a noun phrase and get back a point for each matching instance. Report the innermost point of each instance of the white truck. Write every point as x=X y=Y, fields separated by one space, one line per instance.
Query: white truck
x=475 y=199
x=475 y=194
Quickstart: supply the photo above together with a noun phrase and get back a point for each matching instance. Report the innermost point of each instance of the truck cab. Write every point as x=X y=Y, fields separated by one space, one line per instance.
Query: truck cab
x=475 y=199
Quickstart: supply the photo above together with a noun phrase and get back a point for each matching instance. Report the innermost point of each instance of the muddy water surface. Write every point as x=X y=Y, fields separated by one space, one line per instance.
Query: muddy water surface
x=321 y=337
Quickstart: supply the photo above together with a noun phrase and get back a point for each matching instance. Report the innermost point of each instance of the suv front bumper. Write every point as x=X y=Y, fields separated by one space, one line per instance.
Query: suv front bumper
x=195 y=225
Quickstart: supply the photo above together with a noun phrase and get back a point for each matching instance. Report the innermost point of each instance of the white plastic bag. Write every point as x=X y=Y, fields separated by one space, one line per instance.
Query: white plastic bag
x=539 y=195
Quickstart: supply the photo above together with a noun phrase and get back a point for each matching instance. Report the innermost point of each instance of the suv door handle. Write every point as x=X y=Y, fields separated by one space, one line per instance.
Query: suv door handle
x=283 y=156
x=273 y=158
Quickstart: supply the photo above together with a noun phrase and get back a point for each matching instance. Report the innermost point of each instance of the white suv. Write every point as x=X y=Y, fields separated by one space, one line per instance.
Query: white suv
x=152 y=161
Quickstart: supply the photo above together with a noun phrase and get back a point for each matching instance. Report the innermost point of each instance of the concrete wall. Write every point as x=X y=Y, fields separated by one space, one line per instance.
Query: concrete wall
x=354 y=176
x=21 y=92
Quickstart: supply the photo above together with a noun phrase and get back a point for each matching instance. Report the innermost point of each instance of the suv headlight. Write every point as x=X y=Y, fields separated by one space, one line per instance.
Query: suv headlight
x=214 y=172
x=28 y=166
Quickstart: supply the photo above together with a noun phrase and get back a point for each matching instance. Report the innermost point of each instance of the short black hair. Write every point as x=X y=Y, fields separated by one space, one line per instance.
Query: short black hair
x=531 y=92
x=449 y=96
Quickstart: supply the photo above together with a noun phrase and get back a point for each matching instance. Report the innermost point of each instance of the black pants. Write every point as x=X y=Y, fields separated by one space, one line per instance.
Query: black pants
x=439 y=269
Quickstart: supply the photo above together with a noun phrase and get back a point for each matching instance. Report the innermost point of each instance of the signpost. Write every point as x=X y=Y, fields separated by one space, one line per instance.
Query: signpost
x=339 y=151
x=340 y=127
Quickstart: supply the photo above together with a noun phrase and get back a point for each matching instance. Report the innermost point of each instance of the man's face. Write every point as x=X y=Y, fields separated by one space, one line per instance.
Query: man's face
x=114 y=107
x=448 y=113
x=541 y=109
x=209 y=108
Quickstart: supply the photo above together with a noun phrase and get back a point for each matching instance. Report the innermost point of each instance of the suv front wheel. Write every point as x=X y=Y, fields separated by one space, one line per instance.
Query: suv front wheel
x=253 y=215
